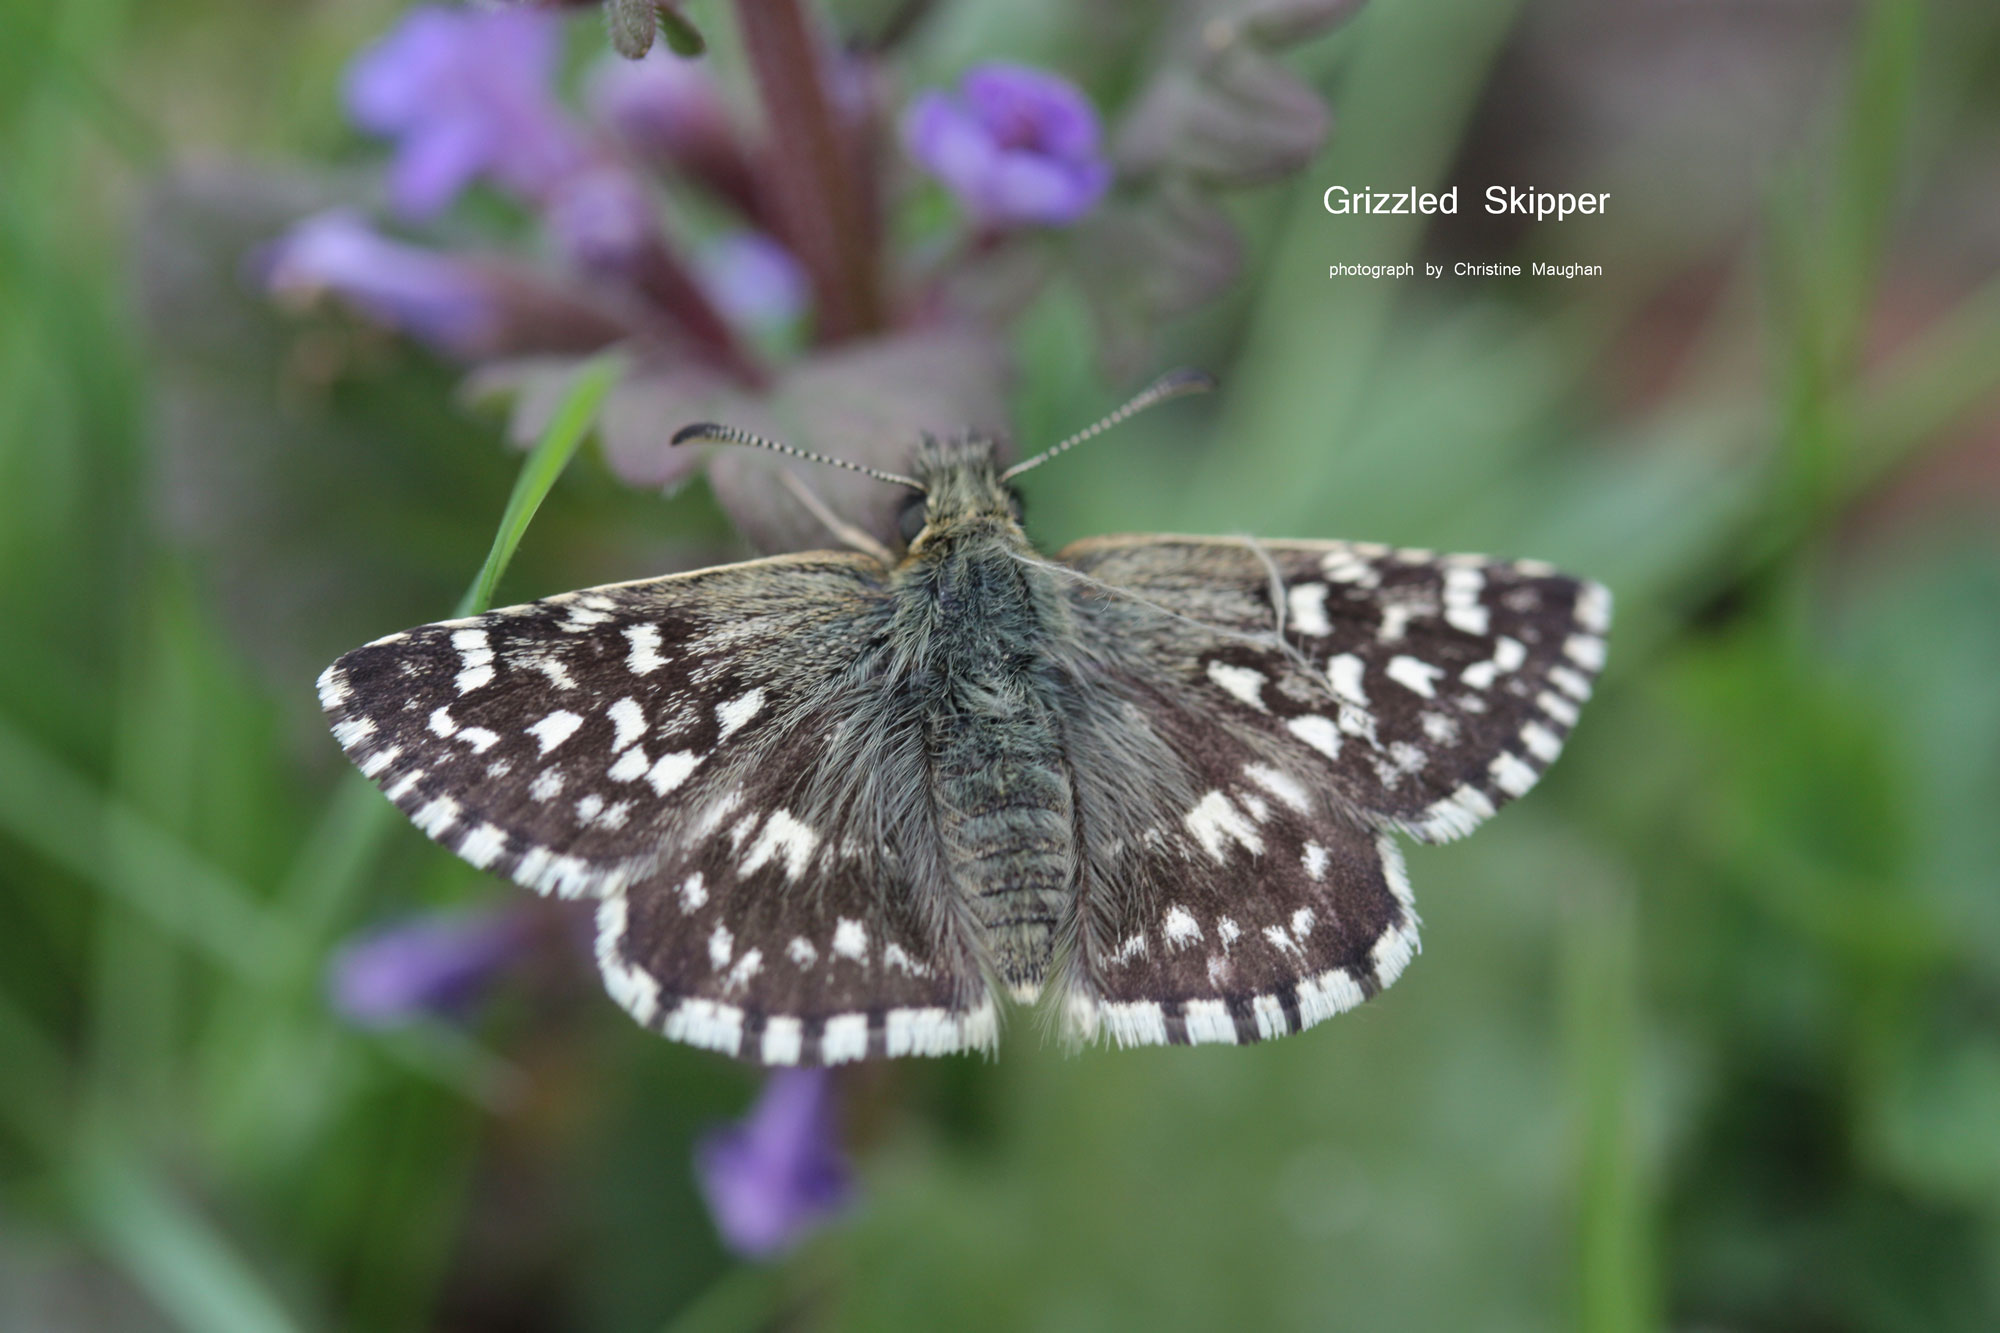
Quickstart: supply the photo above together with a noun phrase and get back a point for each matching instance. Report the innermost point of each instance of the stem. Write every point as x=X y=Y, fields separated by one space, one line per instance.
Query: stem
x=665 y=281
x=815 y=176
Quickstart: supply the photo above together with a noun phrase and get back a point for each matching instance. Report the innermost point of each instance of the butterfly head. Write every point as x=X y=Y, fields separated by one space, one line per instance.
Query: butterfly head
x=961 y=489
x=963 y=493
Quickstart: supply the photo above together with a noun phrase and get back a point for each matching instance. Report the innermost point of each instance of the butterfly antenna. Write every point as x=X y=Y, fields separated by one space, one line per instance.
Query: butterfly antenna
x=712 y=433
x=1173 y=384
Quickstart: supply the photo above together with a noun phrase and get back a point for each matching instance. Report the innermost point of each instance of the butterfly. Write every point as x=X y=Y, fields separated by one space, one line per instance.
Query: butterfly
x=841 y=805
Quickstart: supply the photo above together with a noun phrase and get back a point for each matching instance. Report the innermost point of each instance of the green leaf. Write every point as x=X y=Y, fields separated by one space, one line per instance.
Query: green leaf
x=683 y=38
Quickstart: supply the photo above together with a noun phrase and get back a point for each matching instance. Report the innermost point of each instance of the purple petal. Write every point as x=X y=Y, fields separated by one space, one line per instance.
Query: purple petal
x=435 y=164
x=416 y=291
x=466 y=93
x=1017 y=146
x=602 y=219
x=660 y=104
x=428 y=965
x=778 y=1174
x=1032 y=108
x=754 y=281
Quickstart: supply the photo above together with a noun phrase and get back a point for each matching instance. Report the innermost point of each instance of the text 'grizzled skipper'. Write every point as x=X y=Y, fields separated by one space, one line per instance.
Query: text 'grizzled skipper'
x=1538 y=204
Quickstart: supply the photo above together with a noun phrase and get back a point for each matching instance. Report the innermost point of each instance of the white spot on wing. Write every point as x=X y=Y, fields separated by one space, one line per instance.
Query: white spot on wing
x=553 y=668
x=548 y=785
x=1281 y=785
x=1415 y=675
x=1344 y=674
x=1586 y=650
x=333 y=688
x=1142 y=1023
x=850 y=939
x=483 y=845
x=670 y=770
x=1348 y=566
x=1318 y=732
x=630 y=721
x=1593 y=607
x=1306 y=603
x=1216 y=822
x=1569 y=682
x=845 y=1039
x=1282 y=941
x=1510 y=774
x=475 y=658
x=731 y=714
x=1208 y=1021
x=782 y=835
x=556 y=728
x=1314 y=861
x=1246 y=683
x=720 y=945
x=1462 y=608
x=437 y=816
x=895 y=956
x=784 y=1040
x=1179 y=927
x=706 y=1023
x=801 y=951
x=692 y=892
x=746 y=967
x=645 y=654
x=354 y=731
x=631 y=986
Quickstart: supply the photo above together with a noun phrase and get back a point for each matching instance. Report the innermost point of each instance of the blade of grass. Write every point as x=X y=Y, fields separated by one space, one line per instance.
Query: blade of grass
x=70 y=823
x=546 y=461
x=170 y=1251
x=349 y=836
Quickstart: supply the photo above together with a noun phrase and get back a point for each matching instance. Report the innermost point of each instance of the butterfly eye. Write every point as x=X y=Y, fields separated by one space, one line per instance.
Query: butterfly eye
x=911 y=521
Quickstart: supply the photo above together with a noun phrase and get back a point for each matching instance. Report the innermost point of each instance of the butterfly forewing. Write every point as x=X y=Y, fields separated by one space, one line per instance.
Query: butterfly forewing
x=660 y=746
x=1432 y=689
x=1319 y=695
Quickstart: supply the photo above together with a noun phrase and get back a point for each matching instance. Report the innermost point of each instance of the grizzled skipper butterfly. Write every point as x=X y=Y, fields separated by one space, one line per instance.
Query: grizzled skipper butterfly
x=829 y=805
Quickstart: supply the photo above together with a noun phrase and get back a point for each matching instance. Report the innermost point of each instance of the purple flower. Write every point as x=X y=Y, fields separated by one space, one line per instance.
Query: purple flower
x=661 y=105
x=433 y=297
x=430 y=964
x=753 y=280
x=602 y=218
x=466 y=93
x=776 y=1175
x=1016 y=145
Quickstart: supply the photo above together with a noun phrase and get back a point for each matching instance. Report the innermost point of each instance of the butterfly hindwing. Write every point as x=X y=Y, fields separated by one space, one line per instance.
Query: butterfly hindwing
x=660 y=746
x=1408 y=692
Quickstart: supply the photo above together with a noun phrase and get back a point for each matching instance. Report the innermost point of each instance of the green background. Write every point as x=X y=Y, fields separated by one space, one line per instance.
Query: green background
x=1706 y=1032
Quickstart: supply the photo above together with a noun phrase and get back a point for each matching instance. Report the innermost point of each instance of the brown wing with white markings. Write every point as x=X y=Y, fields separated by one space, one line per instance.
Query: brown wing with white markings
x=665 y=748
x=1319 y=695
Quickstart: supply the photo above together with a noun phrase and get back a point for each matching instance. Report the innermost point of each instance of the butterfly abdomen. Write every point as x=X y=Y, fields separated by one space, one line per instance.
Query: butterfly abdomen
x=1004 y=805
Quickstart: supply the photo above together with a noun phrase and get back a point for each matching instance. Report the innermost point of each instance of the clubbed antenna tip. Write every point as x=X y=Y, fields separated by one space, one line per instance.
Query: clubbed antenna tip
x=713 y=433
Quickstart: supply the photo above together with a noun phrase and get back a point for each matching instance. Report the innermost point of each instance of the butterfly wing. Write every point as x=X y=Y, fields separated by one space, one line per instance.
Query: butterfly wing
x=1320 y=696
x=698 y=754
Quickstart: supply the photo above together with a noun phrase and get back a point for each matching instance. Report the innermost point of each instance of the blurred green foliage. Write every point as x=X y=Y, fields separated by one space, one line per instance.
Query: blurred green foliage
x=1708 y=1030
